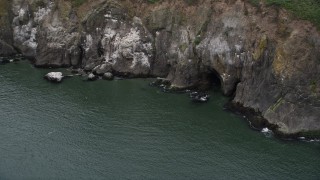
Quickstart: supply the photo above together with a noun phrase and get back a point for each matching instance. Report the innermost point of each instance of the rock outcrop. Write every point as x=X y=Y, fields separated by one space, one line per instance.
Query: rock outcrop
x=92 y=77
x=6 y=36
x=107 y=76
x=268 y=60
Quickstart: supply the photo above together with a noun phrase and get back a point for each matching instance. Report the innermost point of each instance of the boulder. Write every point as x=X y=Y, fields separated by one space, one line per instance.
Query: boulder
x=92 y=77
x=108 y=76
x=102 y=69
x=54 y=77
x=89 y=67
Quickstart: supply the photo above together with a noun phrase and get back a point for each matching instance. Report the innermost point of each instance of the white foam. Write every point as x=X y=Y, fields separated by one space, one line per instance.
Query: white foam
x=265 y=130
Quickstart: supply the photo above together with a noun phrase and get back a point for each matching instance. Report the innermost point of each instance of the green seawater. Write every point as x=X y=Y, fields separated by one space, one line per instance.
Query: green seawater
x=125 y=129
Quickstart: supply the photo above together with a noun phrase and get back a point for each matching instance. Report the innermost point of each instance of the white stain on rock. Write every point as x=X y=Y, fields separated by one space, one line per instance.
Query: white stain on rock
x=130 y=40
x=140 y=58
x=25 y=27
x=127 y=47
x=41 y=14
x=25 y=35
x=88 y=42
x=108 y=33
x=218 y=46
x=22 y=12
x=31 y=42
x=108 y=15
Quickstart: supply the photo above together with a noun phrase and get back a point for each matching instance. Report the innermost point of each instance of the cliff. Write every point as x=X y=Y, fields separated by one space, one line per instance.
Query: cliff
x=265 y=57
x=6 y=36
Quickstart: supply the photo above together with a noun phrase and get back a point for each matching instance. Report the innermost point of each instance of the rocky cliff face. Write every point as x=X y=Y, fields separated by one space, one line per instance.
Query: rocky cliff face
x=6 y=36
x=267 y=59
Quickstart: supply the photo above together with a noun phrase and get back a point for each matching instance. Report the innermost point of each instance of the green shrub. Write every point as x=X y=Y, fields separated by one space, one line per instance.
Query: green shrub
x=78 y=3
x=303 y=9
x=191 y=2
x=152 y=1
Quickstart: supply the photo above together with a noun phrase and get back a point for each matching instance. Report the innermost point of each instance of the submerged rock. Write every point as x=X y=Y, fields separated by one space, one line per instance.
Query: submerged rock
x=54 y=77
x=163 y=83
x=301 y=138
x=4 y=61
x=199 y=97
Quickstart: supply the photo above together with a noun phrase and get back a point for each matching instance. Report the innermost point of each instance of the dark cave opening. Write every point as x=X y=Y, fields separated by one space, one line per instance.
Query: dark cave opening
x=214 y=79
x=210 y=80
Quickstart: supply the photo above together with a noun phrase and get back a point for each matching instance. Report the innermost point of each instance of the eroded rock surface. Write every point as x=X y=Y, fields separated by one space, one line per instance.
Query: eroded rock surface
x=6 y=36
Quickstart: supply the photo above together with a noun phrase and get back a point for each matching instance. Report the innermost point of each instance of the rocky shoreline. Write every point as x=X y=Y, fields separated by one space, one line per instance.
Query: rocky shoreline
x=261 y=55
x=255 y=119
x=258 y=123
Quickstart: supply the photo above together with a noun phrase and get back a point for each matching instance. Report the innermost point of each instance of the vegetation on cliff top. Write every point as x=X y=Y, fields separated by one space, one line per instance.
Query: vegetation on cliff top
x=304 y=9
x=78 y=2
x=3 y=8
x=187 y=1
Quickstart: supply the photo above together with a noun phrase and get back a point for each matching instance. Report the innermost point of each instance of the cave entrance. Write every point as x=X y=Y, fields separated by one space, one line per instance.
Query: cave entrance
x=211 y=80
x=214 y=80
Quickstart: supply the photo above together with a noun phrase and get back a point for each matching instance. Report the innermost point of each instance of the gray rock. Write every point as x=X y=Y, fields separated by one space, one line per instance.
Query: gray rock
x=102 y=69
x=54 y=77
x=107 y=76
x=89 y=67
x=6 y=49
x=92 y=77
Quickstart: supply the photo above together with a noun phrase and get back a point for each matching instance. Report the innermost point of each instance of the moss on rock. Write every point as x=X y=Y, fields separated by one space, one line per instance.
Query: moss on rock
x=261 y=47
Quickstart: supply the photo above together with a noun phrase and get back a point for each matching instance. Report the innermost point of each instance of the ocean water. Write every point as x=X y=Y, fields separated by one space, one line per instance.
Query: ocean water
x=125 y=129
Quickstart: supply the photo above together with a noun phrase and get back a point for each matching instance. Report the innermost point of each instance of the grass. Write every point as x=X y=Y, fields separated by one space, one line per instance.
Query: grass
x=189 y=2
x=313 y=86
x=78 y=3
x=152 y=1
x=3 y=8
x=303 y=9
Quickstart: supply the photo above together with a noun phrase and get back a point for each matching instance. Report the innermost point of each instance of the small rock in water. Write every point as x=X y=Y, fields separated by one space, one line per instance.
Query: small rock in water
x=301 y=138
x=4 y=61
x=16 y=59
x=75 y=71
x=199 y=97
x=54 y=76
x=161 y=82
x=108 y=76
x=92 y=77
